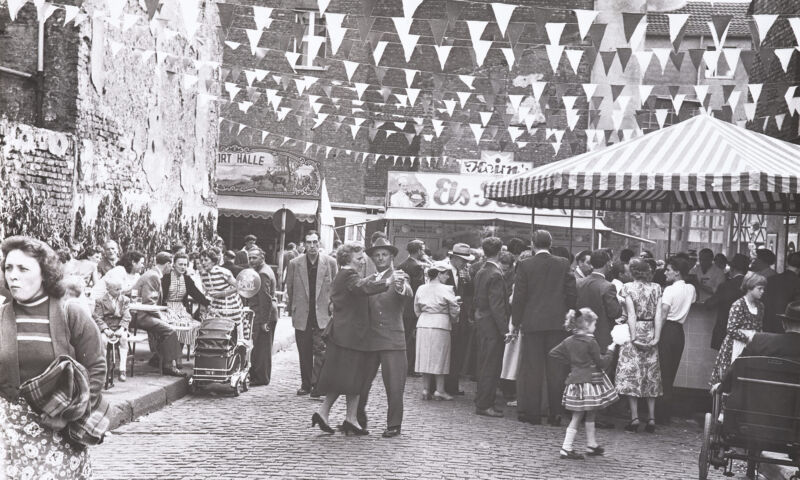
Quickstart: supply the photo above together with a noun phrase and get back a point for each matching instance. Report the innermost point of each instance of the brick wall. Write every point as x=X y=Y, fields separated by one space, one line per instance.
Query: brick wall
x=41 y=160
x=18 y=51
x=352 y=181
x=136 y=128
x=767 y=70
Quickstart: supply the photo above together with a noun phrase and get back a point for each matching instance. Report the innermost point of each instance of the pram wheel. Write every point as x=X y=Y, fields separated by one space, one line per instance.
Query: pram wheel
x=246 y=383
x=705 y=450
x=237 y=388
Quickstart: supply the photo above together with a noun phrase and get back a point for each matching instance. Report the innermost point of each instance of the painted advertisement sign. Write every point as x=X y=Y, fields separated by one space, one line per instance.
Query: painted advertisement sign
x=249 y=171
x=444 y=191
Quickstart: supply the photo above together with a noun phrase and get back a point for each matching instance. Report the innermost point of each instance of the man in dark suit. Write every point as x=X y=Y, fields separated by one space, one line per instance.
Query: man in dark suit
x=782 y=289
x=385 y=339
x=264 y=320
x=728 y=292
x=491 y=318
x=544 y=290
x=177 y=276
x=414 y=267
x=780 y=345
x=149 y=287
x=600 y=295
x=462 y=282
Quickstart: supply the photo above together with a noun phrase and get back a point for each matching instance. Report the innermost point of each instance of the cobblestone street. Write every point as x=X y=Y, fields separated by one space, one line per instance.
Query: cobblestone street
x=266 y=433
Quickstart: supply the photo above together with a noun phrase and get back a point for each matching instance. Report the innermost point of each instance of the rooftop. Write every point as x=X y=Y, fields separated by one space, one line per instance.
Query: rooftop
x=658 y=23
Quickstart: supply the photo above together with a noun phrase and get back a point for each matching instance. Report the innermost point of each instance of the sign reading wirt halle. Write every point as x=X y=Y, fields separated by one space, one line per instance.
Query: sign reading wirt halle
x=249 y=171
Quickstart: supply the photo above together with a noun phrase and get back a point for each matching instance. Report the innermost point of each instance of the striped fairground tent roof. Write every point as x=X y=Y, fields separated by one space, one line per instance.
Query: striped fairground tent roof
x=698 y=164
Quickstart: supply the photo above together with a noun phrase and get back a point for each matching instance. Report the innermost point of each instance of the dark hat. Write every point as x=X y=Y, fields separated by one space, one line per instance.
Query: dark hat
x=250 y=238
x=462 y=250
x=792 y=312
x=381 y=242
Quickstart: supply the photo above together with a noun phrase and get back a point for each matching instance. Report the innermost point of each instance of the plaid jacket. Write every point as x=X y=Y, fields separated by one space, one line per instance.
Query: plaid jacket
x=61 y=396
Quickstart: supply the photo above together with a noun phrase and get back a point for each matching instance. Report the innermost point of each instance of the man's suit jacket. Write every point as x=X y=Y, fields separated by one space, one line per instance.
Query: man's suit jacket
x=149 y=286
x=105 y=312
x=386 y=331
x=416 y=277
x=781 y=289
x=600 y=295
x=491 y=297
x=191 y=291
x=350 y=320
x=297 y=294
x=781 y=345
x=262 y=302
x=728 y=292
x=544 y=290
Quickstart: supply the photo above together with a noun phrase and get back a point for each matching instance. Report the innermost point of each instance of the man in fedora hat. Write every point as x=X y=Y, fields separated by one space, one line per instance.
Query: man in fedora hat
x=460 y=258
x=385 y=339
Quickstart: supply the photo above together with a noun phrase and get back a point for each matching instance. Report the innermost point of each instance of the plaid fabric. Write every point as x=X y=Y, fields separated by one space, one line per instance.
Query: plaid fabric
x=61 y=396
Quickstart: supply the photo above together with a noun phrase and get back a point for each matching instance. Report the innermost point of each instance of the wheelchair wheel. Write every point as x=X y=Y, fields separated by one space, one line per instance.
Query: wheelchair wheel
x=705 y=449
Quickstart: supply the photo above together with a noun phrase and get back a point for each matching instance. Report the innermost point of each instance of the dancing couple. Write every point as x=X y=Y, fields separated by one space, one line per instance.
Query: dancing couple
x=365 y=332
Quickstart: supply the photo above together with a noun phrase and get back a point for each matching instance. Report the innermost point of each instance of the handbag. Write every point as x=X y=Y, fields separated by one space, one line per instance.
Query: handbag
x=511 y=359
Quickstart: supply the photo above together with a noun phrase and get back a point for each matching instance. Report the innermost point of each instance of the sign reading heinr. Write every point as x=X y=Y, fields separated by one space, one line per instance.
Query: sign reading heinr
x=266 y=172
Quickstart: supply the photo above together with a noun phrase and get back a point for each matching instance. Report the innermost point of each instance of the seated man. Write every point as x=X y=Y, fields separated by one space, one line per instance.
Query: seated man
x=166 y=338
x=113 y=316
x=781 y=345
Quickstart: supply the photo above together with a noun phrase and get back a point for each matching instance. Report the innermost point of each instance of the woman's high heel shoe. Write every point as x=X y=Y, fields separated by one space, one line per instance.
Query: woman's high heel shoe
x=651 y=426
x=350 y=429
x=316 y=419
x=632 y=427
x=437 y=395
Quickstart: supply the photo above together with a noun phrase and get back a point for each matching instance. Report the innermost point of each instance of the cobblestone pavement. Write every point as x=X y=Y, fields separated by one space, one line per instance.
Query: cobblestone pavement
x=266 y=433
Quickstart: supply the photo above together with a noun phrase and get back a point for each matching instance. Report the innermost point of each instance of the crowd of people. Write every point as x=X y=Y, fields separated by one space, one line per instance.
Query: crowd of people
x=60 y=309
x=550 y=332
x=553 y=333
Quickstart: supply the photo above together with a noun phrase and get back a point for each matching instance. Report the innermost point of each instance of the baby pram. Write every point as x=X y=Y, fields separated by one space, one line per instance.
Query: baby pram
x=222 y=353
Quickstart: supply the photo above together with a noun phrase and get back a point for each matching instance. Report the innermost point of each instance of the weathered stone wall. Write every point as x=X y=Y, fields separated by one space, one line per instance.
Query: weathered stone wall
x=133 y=123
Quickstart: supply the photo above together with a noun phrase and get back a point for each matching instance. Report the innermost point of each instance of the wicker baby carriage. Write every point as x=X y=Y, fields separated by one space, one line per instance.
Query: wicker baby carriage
x=222 y=353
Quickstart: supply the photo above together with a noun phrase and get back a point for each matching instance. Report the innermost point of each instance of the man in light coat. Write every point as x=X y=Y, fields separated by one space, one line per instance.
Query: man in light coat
x=308 y=289
x=385 y=338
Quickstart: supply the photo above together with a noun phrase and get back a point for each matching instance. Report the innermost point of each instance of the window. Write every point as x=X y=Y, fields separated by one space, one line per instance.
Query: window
x=313 y=43
x=722 y=71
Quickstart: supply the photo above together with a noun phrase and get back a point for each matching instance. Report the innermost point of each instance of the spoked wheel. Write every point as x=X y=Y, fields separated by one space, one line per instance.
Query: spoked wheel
x=705 y=449
x=246 y=383
x=752 y=466
x=237 y=387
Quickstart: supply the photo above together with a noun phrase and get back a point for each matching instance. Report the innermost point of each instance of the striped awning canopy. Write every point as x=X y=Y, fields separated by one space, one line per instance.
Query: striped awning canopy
x=699 y=164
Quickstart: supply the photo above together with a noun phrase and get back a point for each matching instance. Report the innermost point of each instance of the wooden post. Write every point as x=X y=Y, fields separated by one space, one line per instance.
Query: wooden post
x=741 y=227
x=280 y=249
x=594 y=215
x=669 y=236
x=571 y=225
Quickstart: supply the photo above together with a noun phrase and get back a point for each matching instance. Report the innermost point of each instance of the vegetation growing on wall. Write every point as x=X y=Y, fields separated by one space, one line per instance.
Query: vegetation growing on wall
x=25 y=212
x=133 y=229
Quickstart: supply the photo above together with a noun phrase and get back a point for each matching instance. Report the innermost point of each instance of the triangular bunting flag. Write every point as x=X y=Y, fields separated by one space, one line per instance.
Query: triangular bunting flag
x=365 y=26
x=643 y=57
x=661 y=116
x=410 y=6
x=662 y=54
x=785 y=56
x=574 y=57
x=696 y=55
x=554 y=55
x=261 y=15
x=585 y=20
x=554 y=31
x=480 y=49
x=377 y=53
x=335 y=30
x=350 y=69
x=763 y=23
x=624 y=55
x=755 y=90
x=477 y=131
x=485 y=117
x=630 y=22
x=589 y=89
x=442 y=53
x=677 y=26
x=509 y=54
x=438 y=29
x=468 y=80
x=502 y=14
x=608 y=60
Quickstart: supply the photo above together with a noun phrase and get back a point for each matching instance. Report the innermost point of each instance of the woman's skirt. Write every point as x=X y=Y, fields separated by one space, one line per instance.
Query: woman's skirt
x=30 y=451
x=433 y=351
x=585 y=397
x=188 y=327
x=638 y=369
x=343 y=371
